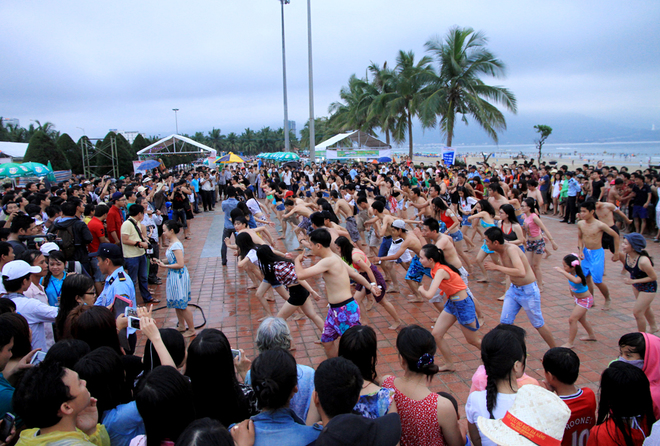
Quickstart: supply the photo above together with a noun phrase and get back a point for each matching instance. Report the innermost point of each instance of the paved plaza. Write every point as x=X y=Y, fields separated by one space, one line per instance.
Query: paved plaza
x=223 y=295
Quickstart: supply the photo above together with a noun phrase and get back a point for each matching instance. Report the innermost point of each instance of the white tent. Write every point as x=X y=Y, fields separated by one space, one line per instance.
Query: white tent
x=358 y=140
x=15 y=150
x=175 y=145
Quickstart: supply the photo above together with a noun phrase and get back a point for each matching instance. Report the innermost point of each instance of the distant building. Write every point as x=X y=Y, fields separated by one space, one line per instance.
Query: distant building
x=292 y=128
x=13 y=121
x=131 y=135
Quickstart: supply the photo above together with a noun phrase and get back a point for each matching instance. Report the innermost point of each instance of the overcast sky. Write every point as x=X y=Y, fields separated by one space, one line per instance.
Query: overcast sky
x=126 y=64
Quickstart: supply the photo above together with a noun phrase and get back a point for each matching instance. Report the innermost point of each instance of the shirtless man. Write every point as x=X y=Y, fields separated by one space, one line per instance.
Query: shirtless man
x=403 y=243
x=420 y=204
x=590 y=246
x=320 y=221
x=534 y=192
x=302 y=209
x=605 y=212
x=343 y=207
x=496 y=196
x=241 y=225
x=524 y=292
x=618 y=197
x=430 y=232
x=382 y=226
x=343 y=311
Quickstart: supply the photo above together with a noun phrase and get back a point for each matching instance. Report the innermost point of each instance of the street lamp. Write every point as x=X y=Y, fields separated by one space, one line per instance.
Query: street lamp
x=82 y=130
x=176 y=119
x=286 y=108
x=312 y=135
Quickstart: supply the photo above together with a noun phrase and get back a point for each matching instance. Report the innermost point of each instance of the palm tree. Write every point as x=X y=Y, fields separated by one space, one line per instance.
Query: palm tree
x=215 y=138
x=353 y=112
x=383 y=83
x=458 y=90
x=249 y=141
x=408 y=80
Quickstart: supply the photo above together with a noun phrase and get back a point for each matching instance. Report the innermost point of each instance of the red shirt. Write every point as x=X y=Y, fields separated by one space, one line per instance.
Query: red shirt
x=583 y=417
x=114 y=221
x=96 y=228
x=607 y=434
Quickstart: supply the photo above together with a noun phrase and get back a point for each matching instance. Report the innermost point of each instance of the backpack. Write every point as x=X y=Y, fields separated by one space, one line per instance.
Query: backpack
x=67 y=243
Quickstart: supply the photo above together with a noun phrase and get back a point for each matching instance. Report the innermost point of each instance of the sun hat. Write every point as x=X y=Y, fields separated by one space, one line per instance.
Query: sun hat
x=538 y=417
x=46 y=248
x=18 y=268
x=636 y=240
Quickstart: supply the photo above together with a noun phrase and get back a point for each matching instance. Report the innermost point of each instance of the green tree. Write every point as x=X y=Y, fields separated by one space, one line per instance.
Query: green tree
x=72 y=152
x=322 y=131
x=125 y=155
x=458 y=90
x=42 y=149
x=215 y=138
x=383 y=82
x=139 y=143
x=408 y=80
x=544 y=131
x=352 y=113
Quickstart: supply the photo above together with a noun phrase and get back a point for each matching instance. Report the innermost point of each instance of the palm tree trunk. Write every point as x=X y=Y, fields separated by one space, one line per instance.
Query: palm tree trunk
x=410 y=137
x=387 y=136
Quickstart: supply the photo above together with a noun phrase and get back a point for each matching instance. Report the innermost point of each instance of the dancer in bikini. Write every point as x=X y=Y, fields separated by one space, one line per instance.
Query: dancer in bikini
x=466 y=203
x=343 y=311
x=512 y=232
x=643 y=279
x=359 y=261
x=590 y=245
x=458 y=307
x=535 y=245
x=485 y=215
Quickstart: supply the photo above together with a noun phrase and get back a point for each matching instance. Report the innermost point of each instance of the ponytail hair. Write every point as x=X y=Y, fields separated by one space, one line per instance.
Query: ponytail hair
x=437 y=255
x=533 y=206
x=573 y=261
x=417 y=346
x=345 y=248
x=500 y=350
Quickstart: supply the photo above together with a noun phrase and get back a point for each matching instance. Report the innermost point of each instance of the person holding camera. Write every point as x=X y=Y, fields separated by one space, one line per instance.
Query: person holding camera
x=179 y=205
x=134 y=247
x=21 y=225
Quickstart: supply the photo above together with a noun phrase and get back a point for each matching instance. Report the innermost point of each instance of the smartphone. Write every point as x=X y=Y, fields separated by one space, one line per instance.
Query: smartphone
x=134 y=322
x=236 y=353
x=36 y=359
x=7 y=425
x=130 y=311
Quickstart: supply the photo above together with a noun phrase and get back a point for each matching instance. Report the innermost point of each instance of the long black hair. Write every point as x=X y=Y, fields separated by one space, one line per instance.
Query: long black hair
x=267 y=259
x=245 y=244
x=500 y=350
x=625 y=394
x=487 y=207
x=417 y=346
x=359 y=345
x=437 y=255
x=510 y=213
x=439 y=203
x=74 y=285
x=569 y=260
x=345 y=248
x=274 y=375
x=533 y=206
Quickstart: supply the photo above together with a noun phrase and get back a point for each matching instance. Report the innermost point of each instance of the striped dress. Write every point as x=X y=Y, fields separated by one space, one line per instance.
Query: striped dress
x=178 y=281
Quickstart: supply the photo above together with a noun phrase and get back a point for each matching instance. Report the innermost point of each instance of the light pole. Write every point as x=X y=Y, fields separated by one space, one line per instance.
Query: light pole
x=312 y=135
x=176 y=119
x=286 y=108
x=82 y=130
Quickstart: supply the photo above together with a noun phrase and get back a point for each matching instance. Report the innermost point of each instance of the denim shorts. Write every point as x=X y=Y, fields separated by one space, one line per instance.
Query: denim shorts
x=527 y=297
x=416 y=271
x=385 y=246
x=465 y=221
x=456 y=236
x=274 y=283
x=464 y=312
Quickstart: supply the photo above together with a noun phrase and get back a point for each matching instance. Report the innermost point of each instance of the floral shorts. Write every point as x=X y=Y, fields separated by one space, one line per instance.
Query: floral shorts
x=536 y=246
x=647 y=287
x=340 y=318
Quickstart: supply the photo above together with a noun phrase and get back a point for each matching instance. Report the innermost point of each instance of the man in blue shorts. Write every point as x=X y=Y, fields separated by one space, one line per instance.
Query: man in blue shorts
x=591 y=252
x=524 y=292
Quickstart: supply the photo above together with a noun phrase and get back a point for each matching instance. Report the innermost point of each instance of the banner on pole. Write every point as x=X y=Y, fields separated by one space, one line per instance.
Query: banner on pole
x=448 y=156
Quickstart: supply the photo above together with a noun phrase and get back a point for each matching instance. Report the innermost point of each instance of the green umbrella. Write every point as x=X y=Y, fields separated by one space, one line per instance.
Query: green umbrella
x=37 y=169
x=13 y=170
x=288 y=156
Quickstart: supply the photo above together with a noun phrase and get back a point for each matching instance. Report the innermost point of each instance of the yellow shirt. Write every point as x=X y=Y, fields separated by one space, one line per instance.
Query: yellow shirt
x=130 y=250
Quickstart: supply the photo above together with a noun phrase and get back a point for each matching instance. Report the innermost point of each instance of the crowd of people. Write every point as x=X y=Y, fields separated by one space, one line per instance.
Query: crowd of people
x=74 y=255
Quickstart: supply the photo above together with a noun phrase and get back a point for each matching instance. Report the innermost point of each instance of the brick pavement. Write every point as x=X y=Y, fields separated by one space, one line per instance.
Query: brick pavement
x=229 y=306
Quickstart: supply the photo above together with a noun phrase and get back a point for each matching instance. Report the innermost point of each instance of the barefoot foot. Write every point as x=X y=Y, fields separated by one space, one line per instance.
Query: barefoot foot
x=567 y=345
x=447 y=368
x=607 y=305
x=415 y=301
x=589 y=339
x=397 y=327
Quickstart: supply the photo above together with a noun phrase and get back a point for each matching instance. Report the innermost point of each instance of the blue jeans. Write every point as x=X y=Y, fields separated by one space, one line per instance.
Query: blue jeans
x=226 y=232
x=137 y=269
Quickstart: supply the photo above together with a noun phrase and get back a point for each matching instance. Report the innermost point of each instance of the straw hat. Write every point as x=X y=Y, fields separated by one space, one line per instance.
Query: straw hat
x=536 y=414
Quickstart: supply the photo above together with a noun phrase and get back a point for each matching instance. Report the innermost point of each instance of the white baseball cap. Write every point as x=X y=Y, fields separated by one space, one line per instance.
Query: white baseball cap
x=399 y=224
x=46 y=248
x=18 y=268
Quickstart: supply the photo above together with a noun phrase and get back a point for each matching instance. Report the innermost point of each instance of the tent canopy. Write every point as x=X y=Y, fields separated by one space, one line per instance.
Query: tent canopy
x=358 y=139
x=13 y=149
x=175 y=145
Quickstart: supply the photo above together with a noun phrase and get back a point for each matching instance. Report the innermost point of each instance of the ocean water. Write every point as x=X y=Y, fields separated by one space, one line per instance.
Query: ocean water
x=620 y=152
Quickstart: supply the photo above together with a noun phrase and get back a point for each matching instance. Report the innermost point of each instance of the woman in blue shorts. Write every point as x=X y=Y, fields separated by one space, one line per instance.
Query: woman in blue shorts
x=643 y=279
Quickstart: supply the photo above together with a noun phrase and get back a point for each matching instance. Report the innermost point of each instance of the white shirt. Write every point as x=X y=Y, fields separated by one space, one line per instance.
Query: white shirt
x=286 y=177
x=253 y=206
x=476 y=407
x=37 y=315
